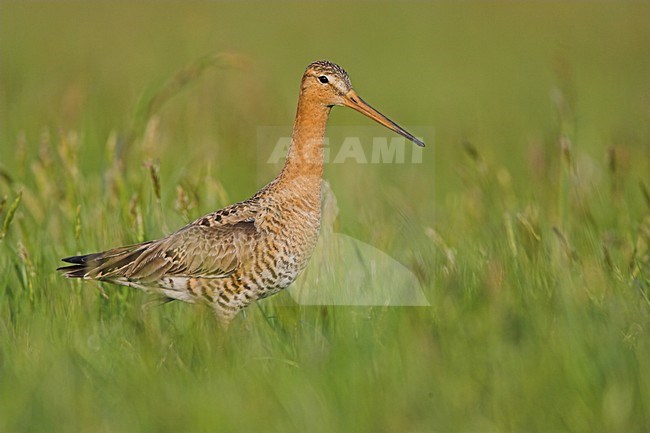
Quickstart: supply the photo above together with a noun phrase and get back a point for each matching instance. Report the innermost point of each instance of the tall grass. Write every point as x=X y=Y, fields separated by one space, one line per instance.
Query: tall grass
x=527 y=224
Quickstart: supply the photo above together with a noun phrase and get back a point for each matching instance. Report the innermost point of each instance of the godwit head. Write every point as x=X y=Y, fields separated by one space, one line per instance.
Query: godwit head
x=328 y=84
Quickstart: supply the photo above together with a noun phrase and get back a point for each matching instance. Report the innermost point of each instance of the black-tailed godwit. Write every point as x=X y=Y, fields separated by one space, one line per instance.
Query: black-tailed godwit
x=254 y=248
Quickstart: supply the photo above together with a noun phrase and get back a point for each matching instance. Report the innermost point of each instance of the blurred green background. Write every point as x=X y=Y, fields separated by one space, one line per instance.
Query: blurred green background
x=527 y=223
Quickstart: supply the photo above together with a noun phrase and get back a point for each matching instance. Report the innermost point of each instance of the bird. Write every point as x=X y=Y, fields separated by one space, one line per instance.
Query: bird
x=252 y=249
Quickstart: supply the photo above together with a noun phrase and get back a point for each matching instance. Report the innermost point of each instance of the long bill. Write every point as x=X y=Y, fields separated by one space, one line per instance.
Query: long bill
x=352 y=100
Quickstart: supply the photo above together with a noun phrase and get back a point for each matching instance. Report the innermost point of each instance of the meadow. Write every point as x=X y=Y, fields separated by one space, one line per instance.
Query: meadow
x=526 y=224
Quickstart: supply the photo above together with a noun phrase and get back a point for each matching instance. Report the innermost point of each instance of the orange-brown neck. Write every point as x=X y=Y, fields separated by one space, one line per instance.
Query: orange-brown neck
x=305 y=156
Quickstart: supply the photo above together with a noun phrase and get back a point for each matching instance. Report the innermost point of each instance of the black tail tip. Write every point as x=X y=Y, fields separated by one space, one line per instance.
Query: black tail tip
x=78 y=260
x=79 y=266
x=74 y=271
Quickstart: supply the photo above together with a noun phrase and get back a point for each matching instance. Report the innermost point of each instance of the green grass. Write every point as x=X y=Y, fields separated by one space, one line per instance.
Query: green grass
x=527 y=224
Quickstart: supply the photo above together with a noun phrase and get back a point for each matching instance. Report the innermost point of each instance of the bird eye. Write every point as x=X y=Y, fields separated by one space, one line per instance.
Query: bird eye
x=323 y=79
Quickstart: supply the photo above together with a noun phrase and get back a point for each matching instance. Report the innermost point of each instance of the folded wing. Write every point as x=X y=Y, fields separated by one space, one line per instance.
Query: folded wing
x=197 y=251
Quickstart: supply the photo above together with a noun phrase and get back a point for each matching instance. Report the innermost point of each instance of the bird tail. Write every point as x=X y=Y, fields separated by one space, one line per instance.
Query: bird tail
x=106 y=265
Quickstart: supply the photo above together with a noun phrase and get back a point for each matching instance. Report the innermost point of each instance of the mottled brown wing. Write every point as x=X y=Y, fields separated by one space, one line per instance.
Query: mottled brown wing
x=197 y=251
x=193 y=251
